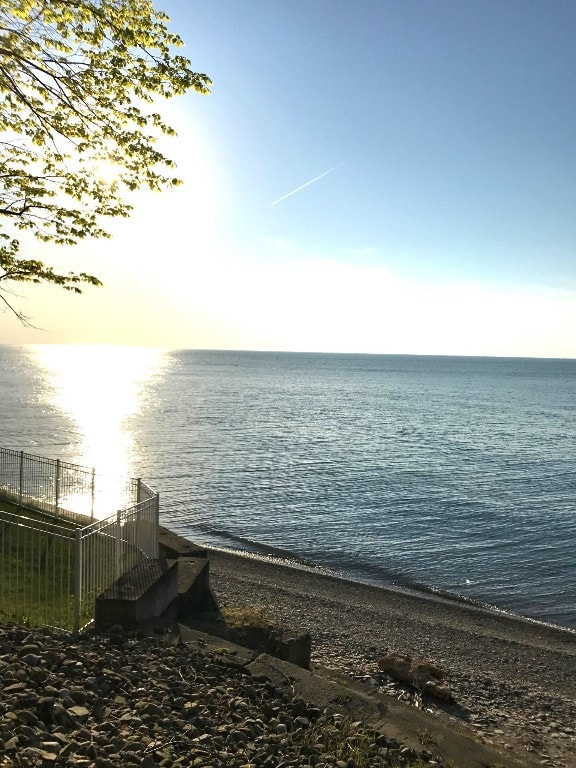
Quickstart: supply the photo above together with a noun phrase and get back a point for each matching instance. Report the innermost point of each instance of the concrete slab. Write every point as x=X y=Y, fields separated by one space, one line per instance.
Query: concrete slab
x=173 y=546
x=328 y=689
x=193 y=581
x=395 y=719
x=212 y=644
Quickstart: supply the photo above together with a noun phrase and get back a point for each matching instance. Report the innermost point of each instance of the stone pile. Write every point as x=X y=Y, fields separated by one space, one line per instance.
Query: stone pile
x=115 y=701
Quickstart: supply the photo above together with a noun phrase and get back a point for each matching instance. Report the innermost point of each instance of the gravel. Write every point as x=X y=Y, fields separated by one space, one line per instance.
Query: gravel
x=513 y=680
x=119 y=701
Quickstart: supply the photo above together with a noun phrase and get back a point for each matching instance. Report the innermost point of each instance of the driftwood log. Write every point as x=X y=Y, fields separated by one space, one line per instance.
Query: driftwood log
x=424 y=675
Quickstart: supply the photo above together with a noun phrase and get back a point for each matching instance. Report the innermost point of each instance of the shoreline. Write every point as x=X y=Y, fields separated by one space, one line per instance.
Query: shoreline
x=513 y=679
x=423 y=591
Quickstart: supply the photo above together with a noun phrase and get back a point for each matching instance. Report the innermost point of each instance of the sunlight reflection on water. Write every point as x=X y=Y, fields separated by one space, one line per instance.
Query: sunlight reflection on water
x=98 y=389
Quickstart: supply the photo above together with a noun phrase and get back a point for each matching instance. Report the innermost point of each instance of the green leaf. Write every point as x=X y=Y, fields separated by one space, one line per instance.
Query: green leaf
x=71 y=74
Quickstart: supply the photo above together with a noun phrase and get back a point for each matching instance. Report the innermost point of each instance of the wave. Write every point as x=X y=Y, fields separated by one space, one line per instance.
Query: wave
x=255 y=546
x=351 y=570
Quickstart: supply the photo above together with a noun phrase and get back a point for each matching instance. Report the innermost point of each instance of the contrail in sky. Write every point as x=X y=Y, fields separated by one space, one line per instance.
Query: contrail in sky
x=307 y=184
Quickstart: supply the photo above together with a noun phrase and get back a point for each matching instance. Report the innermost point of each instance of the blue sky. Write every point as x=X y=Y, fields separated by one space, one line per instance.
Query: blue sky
x=447 y=220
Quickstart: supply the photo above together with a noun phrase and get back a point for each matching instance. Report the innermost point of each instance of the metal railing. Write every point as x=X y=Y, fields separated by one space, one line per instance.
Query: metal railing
x=56 y=486
x=52 y=568
x=36 y=571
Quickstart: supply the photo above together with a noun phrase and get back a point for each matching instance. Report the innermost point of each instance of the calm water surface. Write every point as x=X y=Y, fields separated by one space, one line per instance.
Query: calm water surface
x=457 y=473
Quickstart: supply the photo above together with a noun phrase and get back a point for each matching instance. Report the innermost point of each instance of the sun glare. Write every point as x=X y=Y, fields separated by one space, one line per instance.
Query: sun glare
x=99 y=389
x=107 y=173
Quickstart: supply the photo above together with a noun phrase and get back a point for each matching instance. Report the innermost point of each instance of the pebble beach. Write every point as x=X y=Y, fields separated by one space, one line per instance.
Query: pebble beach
x=123 y=699
x=513 y=679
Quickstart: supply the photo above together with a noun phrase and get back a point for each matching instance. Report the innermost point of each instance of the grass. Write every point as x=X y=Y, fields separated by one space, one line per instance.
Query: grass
x=354 y=744
x=248 y=617
x=36 y=515
x=36 y=569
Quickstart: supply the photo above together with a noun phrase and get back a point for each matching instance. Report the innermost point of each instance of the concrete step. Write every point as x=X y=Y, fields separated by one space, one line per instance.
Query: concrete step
x=141 y=594
x=173 y=546
x=164 y=590
x=193 y=588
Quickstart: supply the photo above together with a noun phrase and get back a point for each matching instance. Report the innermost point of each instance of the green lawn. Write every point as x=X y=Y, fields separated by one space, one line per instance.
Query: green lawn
x=36 y=567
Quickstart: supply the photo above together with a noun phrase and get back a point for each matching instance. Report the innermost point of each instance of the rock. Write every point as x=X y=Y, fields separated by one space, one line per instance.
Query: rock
x=27 y=717
x=80 y=713
x=45 y=710
x=11 y=744
x=14 y=688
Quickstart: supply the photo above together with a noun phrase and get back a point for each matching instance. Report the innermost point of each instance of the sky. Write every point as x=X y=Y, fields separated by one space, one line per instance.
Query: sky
x=381 y=176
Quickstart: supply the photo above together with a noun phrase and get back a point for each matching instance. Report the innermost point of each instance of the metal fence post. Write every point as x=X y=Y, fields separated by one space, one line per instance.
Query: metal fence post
x=57 y=484
x=118 y=544
x=92 y=491
x=77 y=578
x=21 y=476
x=156 y=525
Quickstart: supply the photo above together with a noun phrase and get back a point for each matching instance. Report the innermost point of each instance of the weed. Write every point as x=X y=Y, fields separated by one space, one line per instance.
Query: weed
x=246 y=617
x=354 y=744
x=426 y=738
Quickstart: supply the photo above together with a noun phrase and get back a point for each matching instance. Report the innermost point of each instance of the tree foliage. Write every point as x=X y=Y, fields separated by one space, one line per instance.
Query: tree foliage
x=79 y=80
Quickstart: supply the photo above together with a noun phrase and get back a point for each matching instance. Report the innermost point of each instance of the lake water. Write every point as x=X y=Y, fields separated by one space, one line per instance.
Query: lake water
x=455 y=473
